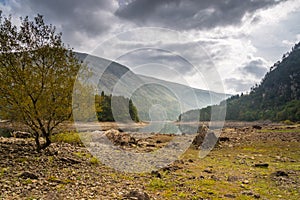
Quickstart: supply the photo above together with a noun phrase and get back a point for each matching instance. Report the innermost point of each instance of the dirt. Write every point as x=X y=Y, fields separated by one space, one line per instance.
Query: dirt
x=251 y=163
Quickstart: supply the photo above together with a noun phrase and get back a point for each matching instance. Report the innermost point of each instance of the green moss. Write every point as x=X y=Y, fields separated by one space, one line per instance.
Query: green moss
x=288 y=122
x=157 y=183
x=67 y=137
x=4 y=171
x=94 y=161
x=83 y=155
x=27 y=181
x=32 y=198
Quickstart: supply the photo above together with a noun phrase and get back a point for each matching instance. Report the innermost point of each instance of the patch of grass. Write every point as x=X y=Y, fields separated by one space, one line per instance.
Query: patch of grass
x=157 y=183
x=53 y=179
x=32 y=198
x=60 y=187
x=94 y=161
x=27 y=181
x=67 y=137
x=82 y=155
x=3 y=171
x=50 y=159
x=239 y=162
x=22 y=159
x=182 y=195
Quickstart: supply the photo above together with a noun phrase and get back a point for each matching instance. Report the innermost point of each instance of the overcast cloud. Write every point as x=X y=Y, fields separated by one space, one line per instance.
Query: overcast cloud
x=240 y=39
x=191 y=14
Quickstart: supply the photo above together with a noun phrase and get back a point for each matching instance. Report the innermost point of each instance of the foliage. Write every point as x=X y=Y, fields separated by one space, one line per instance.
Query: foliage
x=67 y=137
x=276 y=98
x=121 y=110
x=37 y=73
x=288 y=122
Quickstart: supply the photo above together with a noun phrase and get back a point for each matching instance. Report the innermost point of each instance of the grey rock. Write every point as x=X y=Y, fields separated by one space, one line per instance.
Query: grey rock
x=262 y=165
x=280 y=173
x=138 y=195
x=21 y=134
x=28 y=175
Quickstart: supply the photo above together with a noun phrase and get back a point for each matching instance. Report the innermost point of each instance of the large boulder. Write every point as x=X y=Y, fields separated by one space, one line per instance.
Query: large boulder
x=201 y=132
x=120 y=138
x=205 y=138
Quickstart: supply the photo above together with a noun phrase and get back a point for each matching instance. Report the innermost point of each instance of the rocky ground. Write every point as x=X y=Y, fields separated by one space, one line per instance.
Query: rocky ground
x=250 y=162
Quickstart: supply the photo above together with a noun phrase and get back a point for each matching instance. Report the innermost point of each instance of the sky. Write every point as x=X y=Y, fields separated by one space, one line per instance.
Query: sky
x=221 y=45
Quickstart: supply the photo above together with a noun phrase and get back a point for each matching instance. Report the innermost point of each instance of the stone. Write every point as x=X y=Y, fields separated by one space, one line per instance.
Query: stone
x=256 y=196
x=209 y=171
x=21 y=134
x=231 y=196
x=248 y=193
x=257 y=127
x=232 y=178
x=138 y=195
x=156 y=174
x=198 y=140
x=262 y=165
x=224 y=139
x=280 y=173
x=70 y=160
x=120 y=138
x=215 y=178
x=26 y=175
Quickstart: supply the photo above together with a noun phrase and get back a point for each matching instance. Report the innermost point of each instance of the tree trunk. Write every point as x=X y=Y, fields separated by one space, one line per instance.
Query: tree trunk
x=47 y=143
x=40 y=147
x=37 y=141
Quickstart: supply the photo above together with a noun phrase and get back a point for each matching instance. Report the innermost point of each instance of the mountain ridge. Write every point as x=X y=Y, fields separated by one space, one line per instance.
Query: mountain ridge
x=148 y=94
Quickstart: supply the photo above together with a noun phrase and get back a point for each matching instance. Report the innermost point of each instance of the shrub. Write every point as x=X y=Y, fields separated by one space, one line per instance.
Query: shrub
x=67 y=137
x=288 y=122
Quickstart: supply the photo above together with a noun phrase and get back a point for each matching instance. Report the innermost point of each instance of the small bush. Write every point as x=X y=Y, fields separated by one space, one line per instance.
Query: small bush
x=288 y=122
x=5 y=132
x=67 y=137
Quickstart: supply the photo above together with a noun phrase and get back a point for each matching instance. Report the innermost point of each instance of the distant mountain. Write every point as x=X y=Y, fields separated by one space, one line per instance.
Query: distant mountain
x=190 y=97
x=155 y=99
x=276 y=98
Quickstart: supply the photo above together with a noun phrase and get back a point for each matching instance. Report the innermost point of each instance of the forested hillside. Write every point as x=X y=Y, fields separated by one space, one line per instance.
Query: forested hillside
x=276 y=98
x=122 y=109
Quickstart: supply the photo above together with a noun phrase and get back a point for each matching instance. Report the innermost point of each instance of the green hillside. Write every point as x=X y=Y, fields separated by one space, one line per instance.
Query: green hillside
x=276 y=98
x=153 y=98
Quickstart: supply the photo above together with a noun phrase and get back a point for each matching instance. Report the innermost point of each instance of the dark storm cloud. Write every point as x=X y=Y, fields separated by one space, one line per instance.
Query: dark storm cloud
x=177 y=56
x=156 y=57
x=255 y=67
x=191 y=14
x=73 y=17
